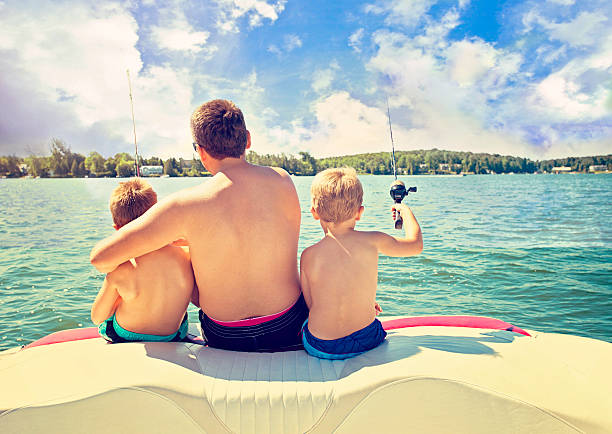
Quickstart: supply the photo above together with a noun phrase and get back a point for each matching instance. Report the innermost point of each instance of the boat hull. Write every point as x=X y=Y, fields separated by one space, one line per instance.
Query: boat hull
x=427 y=378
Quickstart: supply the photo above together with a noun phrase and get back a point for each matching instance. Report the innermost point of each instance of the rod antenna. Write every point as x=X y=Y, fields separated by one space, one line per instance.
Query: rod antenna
x=133 y=122
x=392 y=144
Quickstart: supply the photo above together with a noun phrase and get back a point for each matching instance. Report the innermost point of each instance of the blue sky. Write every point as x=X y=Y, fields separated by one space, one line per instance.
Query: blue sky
x=528 y=78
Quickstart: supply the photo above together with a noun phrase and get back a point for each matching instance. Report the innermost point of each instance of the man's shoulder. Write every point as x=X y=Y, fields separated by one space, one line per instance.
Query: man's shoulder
x=282 y=172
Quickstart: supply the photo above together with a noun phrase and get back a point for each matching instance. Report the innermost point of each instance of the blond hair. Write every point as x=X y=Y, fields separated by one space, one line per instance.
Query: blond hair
x=130 y=200
x=218 y=127
x=336 y=194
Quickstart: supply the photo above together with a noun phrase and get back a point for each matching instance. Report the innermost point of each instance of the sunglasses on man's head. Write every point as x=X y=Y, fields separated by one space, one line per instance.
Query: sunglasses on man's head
x=195 y=146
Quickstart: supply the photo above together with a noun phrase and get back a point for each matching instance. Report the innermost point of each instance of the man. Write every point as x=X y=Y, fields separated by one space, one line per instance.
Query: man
x=242 y=229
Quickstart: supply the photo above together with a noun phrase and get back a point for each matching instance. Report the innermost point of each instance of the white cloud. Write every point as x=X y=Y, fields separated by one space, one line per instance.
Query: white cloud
x=563 y=2
x=355 y=39
x=578 y=91
x=477 y=62
x=290 y=43
x=401 y=12
x=231 y=11
x=322 y=79
x=273 y=48
x=343 y=125
x=74 y=68
x=180 y=36
x=584 y=30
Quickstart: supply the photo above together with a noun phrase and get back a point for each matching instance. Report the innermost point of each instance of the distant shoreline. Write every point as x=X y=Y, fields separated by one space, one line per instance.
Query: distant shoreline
x=63 y=163
x=300 y=175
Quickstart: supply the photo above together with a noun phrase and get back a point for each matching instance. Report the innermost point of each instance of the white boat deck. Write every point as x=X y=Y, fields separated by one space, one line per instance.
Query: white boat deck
x=422 y=379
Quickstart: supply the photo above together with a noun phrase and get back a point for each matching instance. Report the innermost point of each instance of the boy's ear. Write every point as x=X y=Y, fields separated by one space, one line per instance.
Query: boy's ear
x=248 y=145
x=359 y=213
x=314 y=213
x=116 y=227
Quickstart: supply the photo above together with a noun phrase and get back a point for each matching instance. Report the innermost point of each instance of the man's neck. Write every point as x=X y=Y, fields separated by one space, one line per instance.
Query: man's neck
x=227 y=164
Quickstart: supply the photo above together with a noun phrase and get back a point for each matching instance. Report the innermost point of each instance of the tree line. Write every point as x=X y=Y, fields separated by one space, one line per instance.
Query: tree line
x=62 y=162
x=432 y=161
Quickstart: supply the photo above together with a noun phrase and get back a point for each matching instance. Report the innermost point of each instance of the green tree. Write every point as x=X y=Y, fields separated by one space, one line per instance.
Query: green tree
x=309 y=164
x=94 y=163
x=125 y=169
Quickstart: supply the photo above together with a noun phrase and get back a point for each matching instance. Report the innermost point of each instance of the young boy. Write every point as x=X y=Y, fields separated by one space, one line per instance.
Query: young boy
x=339 y=274
x=144 y=299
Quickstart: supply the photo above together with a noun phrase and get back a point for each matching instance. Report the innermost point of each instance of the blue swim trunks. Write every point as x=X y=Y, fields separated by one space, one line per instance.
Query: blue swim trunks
x=352 y=345
x=113 y=332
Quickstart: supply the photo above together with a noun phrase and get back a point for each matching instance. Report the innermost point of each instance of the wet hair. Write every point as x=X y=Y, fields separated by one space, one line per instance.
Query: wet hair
x=218 y=127
x=130 y=200
x=336 y=194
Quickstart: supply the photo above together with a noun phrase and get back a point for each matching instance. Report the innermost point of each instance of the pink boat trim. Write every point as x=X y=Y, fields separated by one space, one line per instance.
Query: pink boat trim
x=66 y=336
x=419 y=321
x=479 y=322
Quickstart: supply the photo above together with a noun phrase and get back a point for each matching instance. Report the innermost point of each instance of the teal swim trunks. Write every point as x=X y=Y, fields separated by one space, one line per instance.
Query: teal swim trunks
x=113 y=332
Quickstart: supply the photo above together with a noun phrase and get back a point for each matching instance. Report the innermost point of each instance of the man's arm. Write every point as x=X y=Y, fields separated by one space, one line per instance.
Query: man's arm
x=411 y=244
x=106 y=302
x=159 y=226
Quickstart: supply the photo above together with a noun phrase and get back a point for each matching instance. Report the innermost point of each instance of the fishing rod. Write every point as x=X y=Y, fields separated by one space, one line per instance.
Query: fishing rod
x=398 y=188
x=133 y=121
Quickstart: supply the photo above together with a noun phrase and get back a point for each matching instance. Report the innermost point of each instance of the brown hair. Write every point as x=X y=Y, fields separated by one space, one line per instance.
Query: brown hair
x=131 y=200
x=336 y=194
x=218 y=127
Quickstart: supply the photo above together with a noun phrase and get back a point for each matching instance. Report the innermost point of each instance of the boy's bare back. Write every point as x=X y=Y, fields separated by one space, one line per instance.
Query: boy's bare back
x=341 y=273
x=155 y=292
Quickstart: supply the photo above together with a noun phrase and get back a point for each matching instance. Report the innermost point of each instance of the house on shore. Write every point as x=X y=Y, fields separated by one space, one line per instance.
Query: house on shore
x=594 y=168
x=151 y=170
x=561 y=169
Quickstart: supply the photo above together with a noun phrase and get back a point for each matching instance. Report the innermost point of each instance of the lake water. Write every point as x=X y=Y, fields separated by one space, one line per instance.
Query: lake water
x=533 y=250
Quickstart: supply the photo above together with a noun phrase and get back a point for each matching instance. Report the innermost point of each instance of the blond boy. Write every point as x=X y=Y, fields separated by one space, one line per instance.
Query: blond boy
x=339 y=274
x=144 y=299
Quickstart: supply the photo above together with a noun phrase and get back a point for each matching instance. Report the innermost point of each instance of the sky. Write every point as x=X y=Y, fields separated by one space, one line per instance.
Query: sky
x=530 y=78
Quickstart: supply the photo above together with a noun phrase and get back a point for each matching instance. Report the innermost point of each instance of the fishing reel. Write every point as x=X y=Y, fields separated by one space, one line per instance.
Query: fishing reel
x=398 y=192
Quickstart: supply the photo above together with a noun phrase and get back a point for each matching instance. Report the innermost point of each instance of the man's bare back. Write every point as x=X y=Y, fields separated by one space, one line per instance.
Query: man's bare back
x=243 y=241
x=151 y=297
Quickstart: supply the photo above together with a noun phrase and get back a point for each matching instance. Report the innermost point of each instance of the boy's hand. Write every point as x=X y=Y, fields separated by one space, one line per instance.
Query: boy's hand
x=378 y=309
x=401 y=208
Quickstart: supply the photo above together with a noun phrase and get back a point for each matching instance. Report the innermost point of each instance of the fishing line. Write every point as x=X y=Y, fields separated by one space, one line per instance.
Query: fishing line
x=133 y=121
x=392 y=144
x=398 y=189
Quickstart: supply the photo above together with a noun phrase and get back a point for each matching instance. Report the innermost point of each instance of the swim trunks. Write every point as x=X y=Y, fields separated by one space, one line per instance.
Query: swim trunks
x=277 y=332
x=352 y=345
x=113 y=332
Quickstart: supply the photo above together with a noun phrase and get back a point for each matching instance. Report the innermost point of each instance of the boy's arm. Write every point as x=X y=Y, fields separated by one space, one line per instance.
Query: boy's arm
x=106 y=302
x=411 y=244
x=159 y=226
x=304 y=279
